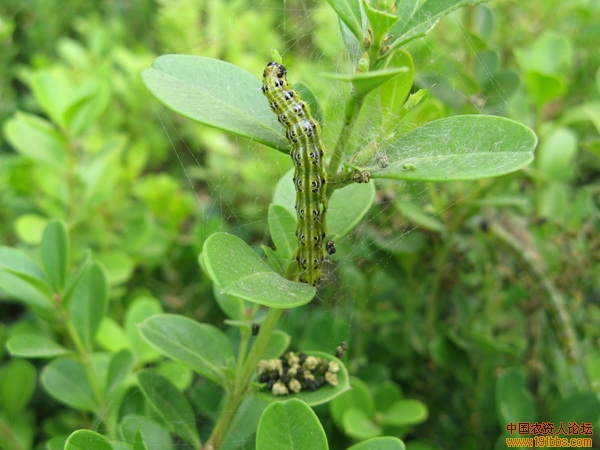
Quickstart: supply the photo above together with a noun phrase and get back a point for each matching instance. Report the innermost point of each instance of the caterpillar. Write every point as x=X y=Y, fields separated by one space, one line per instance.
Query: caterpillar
x=304 y=135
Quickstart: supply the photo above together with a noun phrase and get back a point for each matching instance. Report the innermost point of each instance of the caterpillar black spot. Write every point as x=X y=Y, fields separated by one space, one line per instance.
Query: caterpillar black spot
x=310 y=178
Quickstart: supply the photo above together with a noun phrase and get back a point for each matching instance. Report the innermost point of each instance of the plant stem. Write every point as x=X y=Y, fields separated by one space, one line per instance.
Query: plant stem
x=85 y=358
x=240 y=386
x=353 y=108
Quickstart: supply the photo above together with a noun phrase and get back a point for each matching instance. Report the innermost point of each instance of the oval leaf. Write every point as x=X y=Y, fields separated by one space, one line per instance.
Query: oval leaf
x=88 y=303
x=24 y=280
x=358 y=425
x=55 y=253
x=363 y=83
x=290 y=425
x=423 y=21
x=66 y=380
x=202 y=347
x=514 y=402
x=38 y=140
x=119 y=368
x=458 y=148
x=87 y=440
x=380 y=443
x=215 y=93
x=18 y=382
x=140 y=309
x=170 y=404
x=405 y=412
x=282 y=224
x=34 y=346
x=239 y=271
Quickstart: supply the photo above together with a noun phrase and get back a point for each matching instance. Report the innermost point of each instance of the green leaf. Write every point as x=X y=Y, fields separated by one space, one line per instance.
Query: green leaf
x=30 y=228
x=18 y=432
x=278 y=344
x=405 y=9
x=239 y=271
x=152 y=436
x=35 y=346
x=54 y=91
x=550 y=55
x=351 y=13
x=380 y=443
x=282 y=224
x=120 y=367
x=380 y=21
x=119 y=266
x=385 y=394
x=457 y=148
x=215 y=93
x=423 y=20
x=363 y=83
x=88 y=304
x=242 y=430
x=131 y=424
x=358 y=397
x=202 y=347
x=404 y=412
x=347 y=206
x=290 y=425
x=556 y=155
x=322 y=395
x=101 y=172
x=55 y=253
x=111 y=336
x=233 y=307
x=75 y=275
x=418 y=217
x=66 y=380
x=139 y=310
x=308 y=96
x=38 y=140
x=358 y=425
x=57 y=443
x=274 y=259
x=87 y=440
x=513 y=400
x=21 y=278
x=394 y=92
x=578 y=408
x=177 y=373
x=17 y=382
x=90 y=102
x=170 y=404
x=544 y=88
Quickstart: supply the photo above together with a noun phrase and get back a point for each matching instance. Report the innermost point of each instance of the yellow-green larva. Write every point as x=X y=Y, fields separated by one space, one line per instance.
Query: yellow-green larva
x=304 y=135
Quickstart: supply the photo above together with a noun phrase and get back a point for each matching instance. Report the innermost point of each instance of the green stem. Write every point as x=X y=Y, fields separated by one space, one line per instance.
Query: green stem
x=353 y=108
x=240 y=386
x=85 y=358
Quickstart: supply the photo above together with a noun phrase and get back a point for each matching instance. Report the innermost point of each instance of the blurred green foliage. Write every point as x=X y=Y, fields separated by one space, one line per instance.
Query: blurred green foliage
x=434 y=304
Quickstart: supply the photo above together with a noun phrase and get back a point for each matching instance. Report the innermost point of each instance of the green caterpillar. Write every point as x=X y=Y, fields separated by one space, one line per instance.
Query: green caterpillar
x=304 y=135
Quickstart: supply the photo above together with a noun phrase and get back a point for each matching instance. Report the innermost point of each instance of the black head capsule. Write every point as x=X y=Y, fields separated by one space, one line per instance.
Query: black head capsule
x=255 y=329
x=330 y=247
x=340 y=351
x=281 y=72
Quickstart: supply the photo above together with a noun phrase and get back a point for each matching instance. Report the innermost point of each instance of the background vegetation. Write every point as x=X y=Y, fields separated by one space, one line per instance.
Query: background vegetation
x=480 y=299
